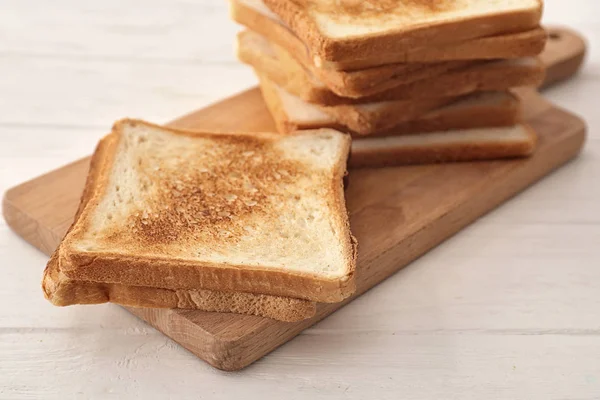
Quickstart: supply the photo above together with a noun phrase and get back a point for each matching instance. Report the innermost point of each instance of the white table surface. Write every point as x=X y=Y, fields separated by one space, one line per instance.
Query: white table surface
x=508 y=309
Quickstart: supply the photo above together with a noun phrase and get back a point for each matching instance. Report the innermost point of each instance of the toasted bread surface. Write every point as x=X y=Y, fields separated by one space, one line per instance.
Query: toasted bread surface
x=351 y=30
x=259 y=18
x=330 y=88
x=483 y=109
x=193 y=210
x=489 y=108
x=481 y=76
x=60 y=290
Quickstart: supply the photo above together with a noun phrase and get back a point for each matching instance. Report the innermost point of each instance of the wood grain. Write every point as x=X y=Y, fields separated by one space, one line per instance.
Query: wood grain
x=397 y=214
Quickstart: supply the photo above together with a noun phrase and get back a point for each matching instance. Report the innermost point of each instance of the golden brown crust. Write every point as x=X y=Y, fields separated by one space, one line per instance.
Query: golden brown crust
x=479 y=115
x=487 y=76
x=450 y=152
x=385 y=115
x=150 y=271
x=292 y=80
x=507 y=113
x=369 y=81
x=62 y=291
x=481 y=76
x=350 y=118
x=509 y=45
x=293 y=13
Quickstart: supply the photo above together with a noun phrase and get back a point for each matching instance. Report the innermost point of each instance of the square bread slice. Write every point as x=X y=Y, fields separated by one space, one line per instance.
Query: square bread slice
x=255 y=15
x=341 y=30
x=482 y=109
x=62 y=291
x=252 y=45
x=257 y=213
x=481 y=76
x=255 y=50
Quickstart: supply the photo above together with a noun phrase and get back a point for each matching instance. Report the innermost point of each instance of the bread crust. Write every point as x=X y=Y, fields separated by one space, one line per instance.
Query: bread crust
x=340 y=87
x=367 y=121
x=450 y=152
x=398 y=41
x=63 y=291
x=479 y=115
x=480 y=76
x=508 y=45
x=153 y=271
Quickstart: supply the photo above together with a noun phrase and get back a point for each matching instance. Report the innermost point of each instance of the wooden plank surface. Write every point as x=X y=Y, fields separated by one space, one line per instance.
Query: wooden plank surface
x=397 y=214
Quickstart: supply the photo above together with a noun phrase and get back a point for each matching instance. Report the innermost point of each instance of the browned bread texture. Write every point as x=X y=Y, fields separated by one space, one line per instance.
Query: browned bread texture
x=477 y=110
x=331 y=87
x=357 y=30
x=256 y=16
x=496 y=75
x=60 y=290
x=176 y=170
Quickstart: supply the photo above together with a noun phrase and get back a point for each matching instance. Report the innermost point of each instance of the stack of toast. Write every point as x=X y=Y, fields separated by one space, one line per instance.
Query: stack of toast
x=411 y=81
x=256 y=223
x=246 y=223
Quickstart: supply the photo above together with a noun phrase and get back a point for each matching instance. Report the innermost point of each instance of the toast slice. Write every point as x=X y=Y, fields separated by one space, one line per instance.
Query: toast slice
x=60 y=290
x=496 y=75
x=255 y=213
x=363 y=119
x=477 y=110
x=346 y=30
x=330 y=87
x=447 y=146
x=258 y=17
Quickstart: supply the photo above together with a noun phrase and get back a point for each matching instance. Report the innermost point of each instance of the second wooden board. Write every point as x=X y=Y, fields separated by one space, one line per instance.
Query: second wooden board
x=397 y=214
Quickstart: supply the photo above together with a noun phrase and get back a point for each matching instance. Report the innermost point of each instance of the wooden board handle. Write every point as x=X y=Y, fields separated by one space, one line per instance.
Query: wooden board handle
x=563 y=56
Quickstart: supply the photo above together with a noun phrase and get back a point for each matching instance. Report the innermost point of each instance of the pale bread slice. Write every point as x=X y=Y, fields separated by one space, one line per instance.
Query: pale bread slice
x=256 y=51
x=256 y=15
x=62 y=291
x=483 y=109
x=483 y=76
x=441 y=147
x=335 y=30
x=256 y=213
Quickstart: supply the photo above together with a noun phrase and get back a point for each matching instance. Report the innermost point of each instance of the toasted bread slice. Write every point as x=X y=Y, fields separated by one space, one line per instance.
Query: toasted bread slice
x=345 y=30
x=256 y=16
x=447 y=146
x=496 y=75
x=477 y=110
x=329 y=87
x=363 y=119
x=63 y=291
x=256 y=213
x=253 y=46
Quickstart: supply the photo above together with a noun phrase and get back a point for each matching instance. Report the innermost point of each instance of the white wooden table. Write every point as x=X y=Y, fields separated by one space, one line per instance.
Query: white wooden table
x=507 y=309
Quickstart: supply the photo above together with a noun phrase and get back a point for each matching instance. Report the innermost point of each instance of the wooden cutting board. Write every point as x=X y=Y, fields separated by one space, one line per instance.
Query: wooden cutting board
x=397 y=214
